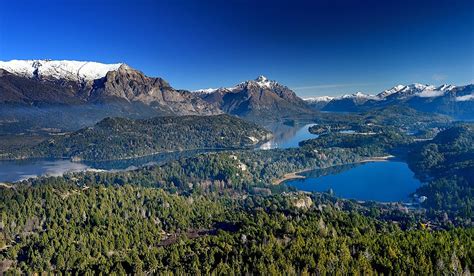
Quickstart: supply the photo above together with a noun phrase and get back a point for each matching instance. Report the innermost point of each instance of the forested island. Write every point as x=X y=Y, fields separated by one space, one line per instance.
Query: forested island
x=220 y=212
x=236 y=137
x=121 y=138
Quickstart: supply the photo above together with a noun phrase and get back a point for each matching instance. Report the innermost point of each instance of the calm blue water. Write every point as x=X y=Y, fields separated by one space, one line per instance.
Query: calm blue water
x=17 y=170
x=285 y=136
x=378 y=181
x=347 y=131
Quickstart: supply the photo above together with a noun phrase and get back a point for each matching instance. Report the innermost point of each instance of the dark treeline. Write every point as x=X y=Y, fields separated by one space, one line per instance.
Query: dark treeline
x=219 y=213
x=447 y=164
x=128 y=229
x=119 y=138
x=397 y=118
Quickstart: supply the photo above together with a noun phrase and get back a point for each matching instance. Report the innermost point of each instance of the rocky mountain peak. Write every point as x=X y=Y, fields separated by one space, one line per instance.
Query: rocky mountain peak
x=83 y=82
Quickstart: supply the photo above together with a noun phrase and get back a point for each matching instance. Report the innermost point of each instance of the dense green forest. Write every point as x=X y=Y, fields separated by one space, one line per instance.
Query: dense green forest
x=403 y=119
x=60 y=226
x=384 y=142
x=119 y=138
x=238 y=170
x=221 y=212
x=447 y=164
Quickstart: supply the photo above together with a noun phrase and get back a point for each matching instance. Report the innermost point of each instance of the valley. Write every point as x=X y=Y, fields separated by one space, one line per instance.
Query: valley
x=237 y=137
x=230 y=180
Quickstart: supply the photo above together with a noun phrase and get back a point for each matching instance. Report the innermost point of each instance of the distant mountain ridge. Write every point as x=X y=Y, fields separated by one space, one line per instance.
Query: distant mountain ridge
x=74 y=94
x=260 y=98
x=446 y=99
x=36 y=82
x=35 y=92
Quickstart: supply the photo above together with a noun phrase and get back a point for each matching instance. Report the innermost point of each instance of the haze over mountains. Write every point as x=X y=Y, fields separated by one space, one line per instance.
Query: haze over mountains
x=457 y=101
x=37 y=82
x=70 y=95
x=73 y=94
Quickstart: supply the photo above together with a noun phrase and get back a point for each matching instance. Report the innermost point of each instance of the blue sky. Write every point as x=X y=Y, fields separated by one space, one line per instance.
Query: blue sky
x=325 y=47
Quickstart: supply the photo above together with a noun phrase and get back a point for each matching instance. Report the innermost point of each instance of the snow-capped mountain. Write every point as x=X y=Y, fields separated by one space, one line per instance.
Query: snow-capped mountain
x=256 y=98
x=69 y=88
x=416 y=89
x=207 y=90
x=260 y=82
x=391 y=91
x=359 y=96
x=405 y=90
x=445 y=99
x=354 y=99
x=319 y=99
x=318 y=103
x=59 y=69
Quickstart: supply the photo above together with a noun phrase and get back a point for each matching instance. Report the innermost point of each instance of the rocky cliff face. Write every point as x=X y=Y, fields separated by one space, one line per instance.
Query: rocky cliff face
x=69 y=95
x=130 y=85
x=60 y=84
x=259 y=98
x=17 y=89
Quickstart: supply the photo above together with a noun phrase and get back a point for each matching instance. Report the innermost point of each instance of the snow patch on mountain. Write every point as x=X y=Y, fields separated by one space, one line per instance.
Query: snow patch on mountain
x=260 y=82
x=359 y=95
x=400 y=91
x=319 y=99
x=391 y=91
x=447 y=87
x=59 y=69
x=206 y=90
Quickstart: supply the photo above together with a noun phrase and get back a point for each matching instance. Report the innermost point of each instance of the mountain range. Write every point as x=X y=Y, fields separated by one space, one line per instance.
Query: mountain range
x=74 y=94
x=43 y=82
x=69 y=95
x=456 y=101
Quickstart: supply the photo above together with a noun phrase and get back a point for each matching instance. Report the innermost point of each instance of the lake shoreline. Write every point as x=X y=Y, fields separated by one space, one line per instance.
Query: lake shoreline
x=297 y=174
x=79 y=160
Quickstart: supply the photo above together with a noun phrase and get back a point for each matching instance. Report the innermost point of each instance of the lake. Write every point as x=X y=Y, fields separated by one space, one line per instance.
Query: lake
x=17 y=170
x=288 y=136
x=284 y=136
x=390 y=181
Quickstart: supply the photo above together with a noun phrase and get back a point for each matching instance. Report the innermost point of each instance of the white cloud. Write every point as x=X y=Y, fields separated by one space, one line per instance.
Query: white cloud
x=430 y=93
x=465 y=98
